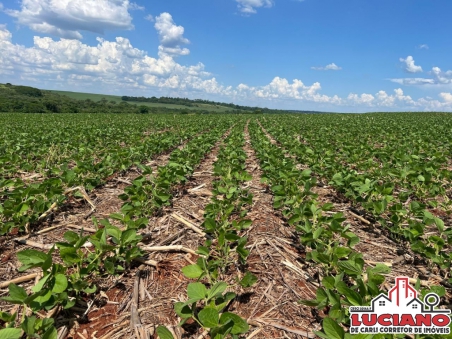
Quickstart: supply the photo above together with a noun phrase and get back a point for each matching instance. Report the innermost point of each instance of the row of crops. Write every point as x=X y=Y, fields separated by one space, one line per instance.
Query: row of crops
x=41 y=156
x=395 y=170
x=346 y=281
x=400 y=176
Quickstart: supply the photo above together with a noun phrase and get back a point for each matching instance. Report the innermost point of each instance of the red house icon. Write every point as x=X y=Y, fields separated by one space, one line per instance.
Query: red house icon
x=402 y=292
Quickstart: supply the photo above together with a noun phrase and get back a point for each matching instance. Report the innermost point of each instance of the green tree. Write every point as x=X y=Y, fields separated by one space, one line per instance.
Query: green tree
x=143 y=109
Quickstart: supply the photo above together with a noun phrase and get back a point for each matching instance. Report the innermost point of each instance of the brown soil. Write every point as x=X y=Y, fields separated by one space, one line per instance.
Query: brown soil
x=167 y=284
x=101 y=318
x=274 y=298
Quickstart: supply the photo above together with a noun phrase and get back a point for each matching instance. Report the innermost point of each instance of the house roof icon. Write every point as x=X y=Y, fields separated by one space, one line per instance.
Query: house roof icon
x=375 y=304
x=420 y=305
x=415 y=301
x=380 y=297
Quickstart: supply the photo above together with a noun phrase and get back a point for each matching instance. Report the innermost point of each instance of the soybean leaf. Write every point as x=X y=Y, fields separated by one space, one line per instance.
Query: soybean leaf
x=192 y=271
x=218 y=288
x=240 y=325
x=28 y=325
x=440 y=290
x=208 y=317
x=129 y=236
x=380 y=269
x=353 y=297
x=209 y=224
x=246 y=223
x=221 y=332
x=342 y=252
x=222 y=302
x=182 y=310
x=38 y=287
x=51 y=333
x=350 y=267
x=114 y=232
x=6 y=317
x=332 y=329
x=60 y=283
x=71 y=237
x=69 y=255
x=317 y=233
x=11 y=333
x=196 y=291
x=328 y=282
x=31 y=258
x=164 y=333
x=17 y=294
x=248 y=280
x=203 y=250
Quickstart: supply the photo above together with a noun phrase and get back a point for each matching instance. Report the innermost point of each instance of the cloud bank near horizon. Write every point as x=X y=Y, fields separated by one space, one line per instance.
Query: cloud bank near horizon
x=68 y=62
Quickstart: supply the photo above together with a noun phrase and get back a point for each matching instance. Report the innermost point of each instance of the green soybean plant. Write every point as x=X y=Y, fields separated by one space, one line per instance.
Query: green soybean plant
x=205 y=306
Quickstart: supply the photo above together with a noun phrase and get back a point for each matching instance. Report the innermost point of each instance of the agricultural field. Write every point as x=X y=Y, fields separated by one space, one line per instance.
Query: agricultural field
x=117 y=99
x=218 y=226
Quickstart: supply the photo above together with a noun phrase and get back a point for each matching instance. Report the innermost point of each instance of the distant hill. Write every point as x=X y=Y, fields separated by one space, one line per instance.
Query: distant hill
x=175 y=104
x=28 y=99
x=189 y=102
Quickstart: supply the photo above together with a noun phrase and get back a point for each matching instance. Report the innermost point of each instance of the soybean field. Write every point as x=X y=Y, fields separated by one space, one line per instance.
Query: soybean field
x=218 y=226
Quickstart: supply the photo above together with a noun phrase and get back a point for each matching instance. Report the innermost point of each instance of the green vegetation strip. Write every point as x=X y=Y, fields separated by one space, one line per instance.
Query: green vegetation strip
x=404 y=216
x=148 y=193
x=329 y=245
x=63 y=284
x=95 y=156
x=224 y=248
x=395 y=167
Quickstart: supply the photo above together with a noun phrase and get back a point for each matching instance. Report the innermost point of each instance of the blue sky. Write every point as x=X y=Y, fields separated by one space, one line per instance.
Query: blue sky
x=345 y=56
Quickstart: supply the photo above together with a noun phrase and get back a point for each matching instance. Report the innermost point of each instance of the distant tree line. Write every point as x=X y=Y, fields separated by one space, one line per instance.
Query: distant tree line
x=197 y=102
x=190 y=102
x=162 y=100
x=25 y=99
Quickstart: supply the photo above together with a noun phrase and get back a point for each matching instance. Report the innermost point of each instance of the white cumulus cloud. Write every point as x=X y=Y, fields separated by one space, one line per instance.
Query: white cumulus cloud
x=413 y=81
x=438 y=77
x=248 y=7
x=135 y=7
x=441 y=77
x=67 y=18
x=410 y=66
x=361 y=99
x=281 y=89
x=5 y=35
x=171 y=36
x=447 y=97
x=330 y=67
x=118 y=67
x=108 y=63
x=394 y=101
x=423 y=46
